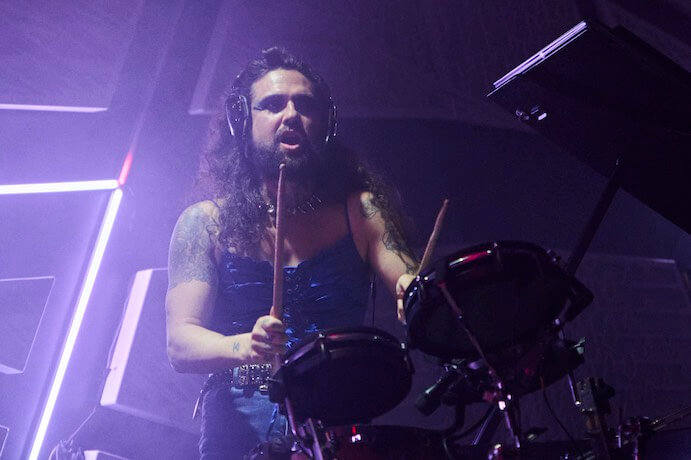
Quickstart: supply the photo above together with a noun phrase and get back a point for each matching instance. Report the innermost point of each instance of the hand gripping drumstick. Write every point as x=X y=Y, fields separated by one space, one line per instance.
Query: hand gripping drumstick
x=277 y=299
x=426 y=256
x=433 y=237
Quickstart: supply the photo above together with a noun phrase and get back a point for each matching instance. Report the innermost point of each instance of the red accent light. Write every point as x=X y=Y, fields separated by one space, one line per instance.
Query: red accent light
x=474 y=256
x=126 y=166
x=353 y=430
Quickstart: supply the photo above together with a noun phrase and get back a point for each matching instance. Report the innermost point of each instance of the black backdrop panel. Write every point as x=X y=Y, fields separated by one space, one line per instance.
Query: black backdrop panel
x=46 y=240
x=3 y=437
x=22 y=302
x=141 y=382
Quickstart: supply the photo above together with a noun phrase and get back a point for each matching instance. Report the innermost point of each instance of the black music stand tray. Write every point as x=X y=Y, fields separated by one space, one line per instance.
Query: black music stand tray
x=618 y=105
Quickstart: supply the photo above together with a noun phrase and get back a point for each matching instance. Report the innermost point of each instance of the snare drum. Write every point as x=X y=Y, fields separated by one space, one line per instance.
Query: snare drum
x=344 y=376
x=509 y=292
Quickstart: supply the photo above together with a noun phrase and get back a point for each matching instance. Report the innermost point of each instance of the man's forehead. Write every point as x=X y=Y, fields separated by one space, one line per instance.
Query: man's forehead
x=281 y=81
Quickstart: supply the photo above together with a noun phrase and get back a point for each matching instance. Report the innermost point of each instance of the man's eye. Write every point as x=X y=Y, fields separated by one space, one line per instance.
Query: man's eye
x=305 y=105
x=272 y=105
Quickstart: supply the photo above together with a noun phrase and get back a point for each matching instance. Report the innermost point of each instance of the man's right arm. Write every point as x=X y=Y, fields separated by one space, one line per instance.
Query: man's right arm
x=192 y=290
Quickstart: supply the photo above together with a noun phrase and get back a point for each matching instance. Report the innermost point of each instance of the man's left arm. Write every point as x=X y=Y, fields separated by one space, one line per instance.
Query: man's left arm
x=387 y=251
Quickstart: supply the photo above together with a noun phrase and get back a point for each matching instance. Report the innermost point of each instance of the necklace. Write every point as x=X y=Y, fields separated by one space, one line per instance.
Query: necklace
x=305 y=207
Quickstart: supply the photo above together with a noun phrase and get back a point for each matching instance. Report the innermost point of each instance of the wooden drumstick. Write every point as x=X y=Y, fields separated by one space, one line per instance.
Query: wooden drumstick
x=277 y=299
x=433 y=237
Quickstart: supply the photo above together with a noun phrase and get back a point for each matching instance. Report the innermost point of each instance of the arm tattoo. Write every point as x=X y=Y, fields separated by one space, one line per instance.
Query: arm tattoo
x=189 y=257
x=394 y=242
x=367 y=209
x=392 y=238
x=236 y=346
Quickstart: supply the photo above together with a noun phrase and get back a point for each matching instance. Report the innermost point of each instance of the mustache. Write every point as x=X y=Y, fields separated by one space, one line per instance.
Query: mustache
x=285 y=129
x=304 y=167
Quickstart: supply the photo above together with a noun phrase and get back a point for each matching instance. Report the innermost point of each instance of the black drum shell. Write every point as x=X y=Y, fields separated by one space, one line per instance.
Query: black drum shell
x=510 y=292
x=346 y=375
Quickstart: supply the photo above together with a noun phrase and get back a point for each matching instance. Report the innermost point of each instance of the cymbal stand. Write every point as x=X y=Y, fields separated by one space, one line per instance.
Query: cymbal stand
x=484 y=435
x=309 y=436
x=636 y=431
x=503 y=400
x=582 y=246
x=315 y=433
x=306 y=442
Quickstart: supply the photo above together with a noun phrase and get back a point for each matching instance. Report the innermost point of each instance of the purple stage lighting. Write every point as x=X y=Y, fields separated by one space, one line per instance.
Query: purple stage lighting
x=52 y=187
x=82 y=302
x=52 y=108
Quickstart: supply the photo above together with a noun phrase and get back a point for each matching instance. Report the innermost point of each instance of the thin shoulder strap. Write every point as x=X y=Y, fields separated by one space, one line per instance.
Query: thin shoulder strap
x=347 y=217
x=373 y=279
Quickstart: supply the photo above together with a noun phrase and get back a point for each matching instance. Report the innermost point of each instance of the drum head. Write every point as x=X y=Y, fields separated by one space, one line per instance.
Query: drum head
x=509 y=292
x=347 y=375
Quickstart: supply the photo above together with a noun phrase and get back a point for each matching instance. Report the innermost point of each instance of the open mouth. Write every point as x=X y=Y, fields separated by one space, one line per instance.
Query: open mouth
x=291 y=138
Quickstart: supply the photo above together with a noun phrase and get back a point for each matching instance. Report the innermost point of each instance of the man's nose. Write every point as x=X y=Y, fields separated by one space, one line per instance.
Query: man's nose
x=290 y=113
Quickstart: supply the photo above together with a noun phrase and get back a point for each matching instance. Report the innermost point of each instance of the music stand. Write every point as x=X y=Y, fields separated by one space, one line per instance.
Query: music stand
x=618 y=105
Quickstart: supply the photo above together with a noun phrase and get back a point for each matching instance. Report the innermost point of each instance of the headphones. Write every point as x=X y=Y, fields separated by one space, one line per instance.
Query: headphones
x=239 y=119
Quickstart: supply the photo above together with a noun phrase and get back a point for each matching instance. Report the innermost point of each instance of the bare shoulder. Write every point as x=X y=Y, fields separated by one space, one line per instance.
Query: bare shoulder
x=202 y=210
x=193 y=245
x=201 y=217
x=365 y=218
x=362 y=205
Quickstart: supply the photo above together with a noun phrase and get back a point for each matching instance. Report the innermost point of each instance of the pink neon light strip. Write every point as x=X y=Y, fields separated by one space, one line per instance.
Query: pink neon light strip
x=51 y=187
x=52 y=108
x=84 y=295
x=126 y=167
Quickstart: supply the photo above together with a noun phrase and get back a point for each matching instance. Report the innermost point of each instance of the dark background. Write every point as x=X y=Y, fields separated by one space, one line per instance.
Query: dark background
x=409 y=79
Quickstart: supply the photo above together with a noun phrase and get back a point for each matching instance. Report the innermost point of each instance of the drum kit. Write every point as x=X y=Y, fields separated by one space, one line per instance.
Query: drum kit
x=493 y=315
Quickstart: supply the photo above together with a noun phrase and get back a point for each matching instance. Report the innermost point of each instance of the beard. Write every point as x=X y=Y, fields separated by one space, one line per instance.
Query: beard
x=302 y=166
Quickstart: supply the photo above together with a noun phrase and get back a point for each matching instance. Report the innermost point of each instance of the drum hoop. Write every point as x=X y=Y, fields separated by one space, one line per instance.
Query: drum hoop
x=482 y=251
x=342 y=335
x=491 y=252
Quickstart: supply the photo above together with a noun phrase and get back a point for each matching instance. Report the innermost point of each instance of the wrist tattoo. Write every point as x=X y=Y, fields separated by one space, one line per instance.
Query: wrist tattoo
x=236 y=346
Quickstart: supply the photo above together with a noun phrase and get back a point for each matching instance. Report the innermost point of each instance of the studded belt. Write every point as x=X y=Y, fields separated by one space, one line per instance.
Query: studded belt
x=248 y=377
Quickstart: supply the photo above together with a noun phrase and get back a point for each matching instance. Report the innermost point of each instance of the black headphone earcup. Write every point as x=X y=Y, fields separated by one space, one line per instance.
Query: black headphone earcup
x=332 y=122
x=237 y=114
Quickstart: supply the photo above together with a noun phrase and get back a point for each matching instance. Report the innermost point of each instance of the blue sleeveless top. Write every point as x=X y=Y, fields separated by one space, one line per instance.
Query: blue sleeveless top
x=329 y=290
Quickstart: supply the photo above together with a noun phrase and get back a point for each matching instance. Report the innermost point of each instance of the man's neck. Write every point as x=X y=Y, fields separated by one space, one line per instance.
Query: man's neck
x=295 y=192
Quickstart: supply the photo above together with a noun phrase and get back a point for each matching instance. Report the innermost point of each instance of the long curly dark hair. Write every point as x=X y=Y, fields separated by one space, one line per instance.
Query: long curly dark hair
x=228 y=177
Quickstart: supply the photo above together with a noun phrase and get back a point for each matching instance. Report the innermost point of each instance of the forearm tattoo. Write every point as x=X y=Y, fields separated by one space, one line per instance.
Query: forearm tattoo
x=392 y=238
x=189 y=256
x=236 y=346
